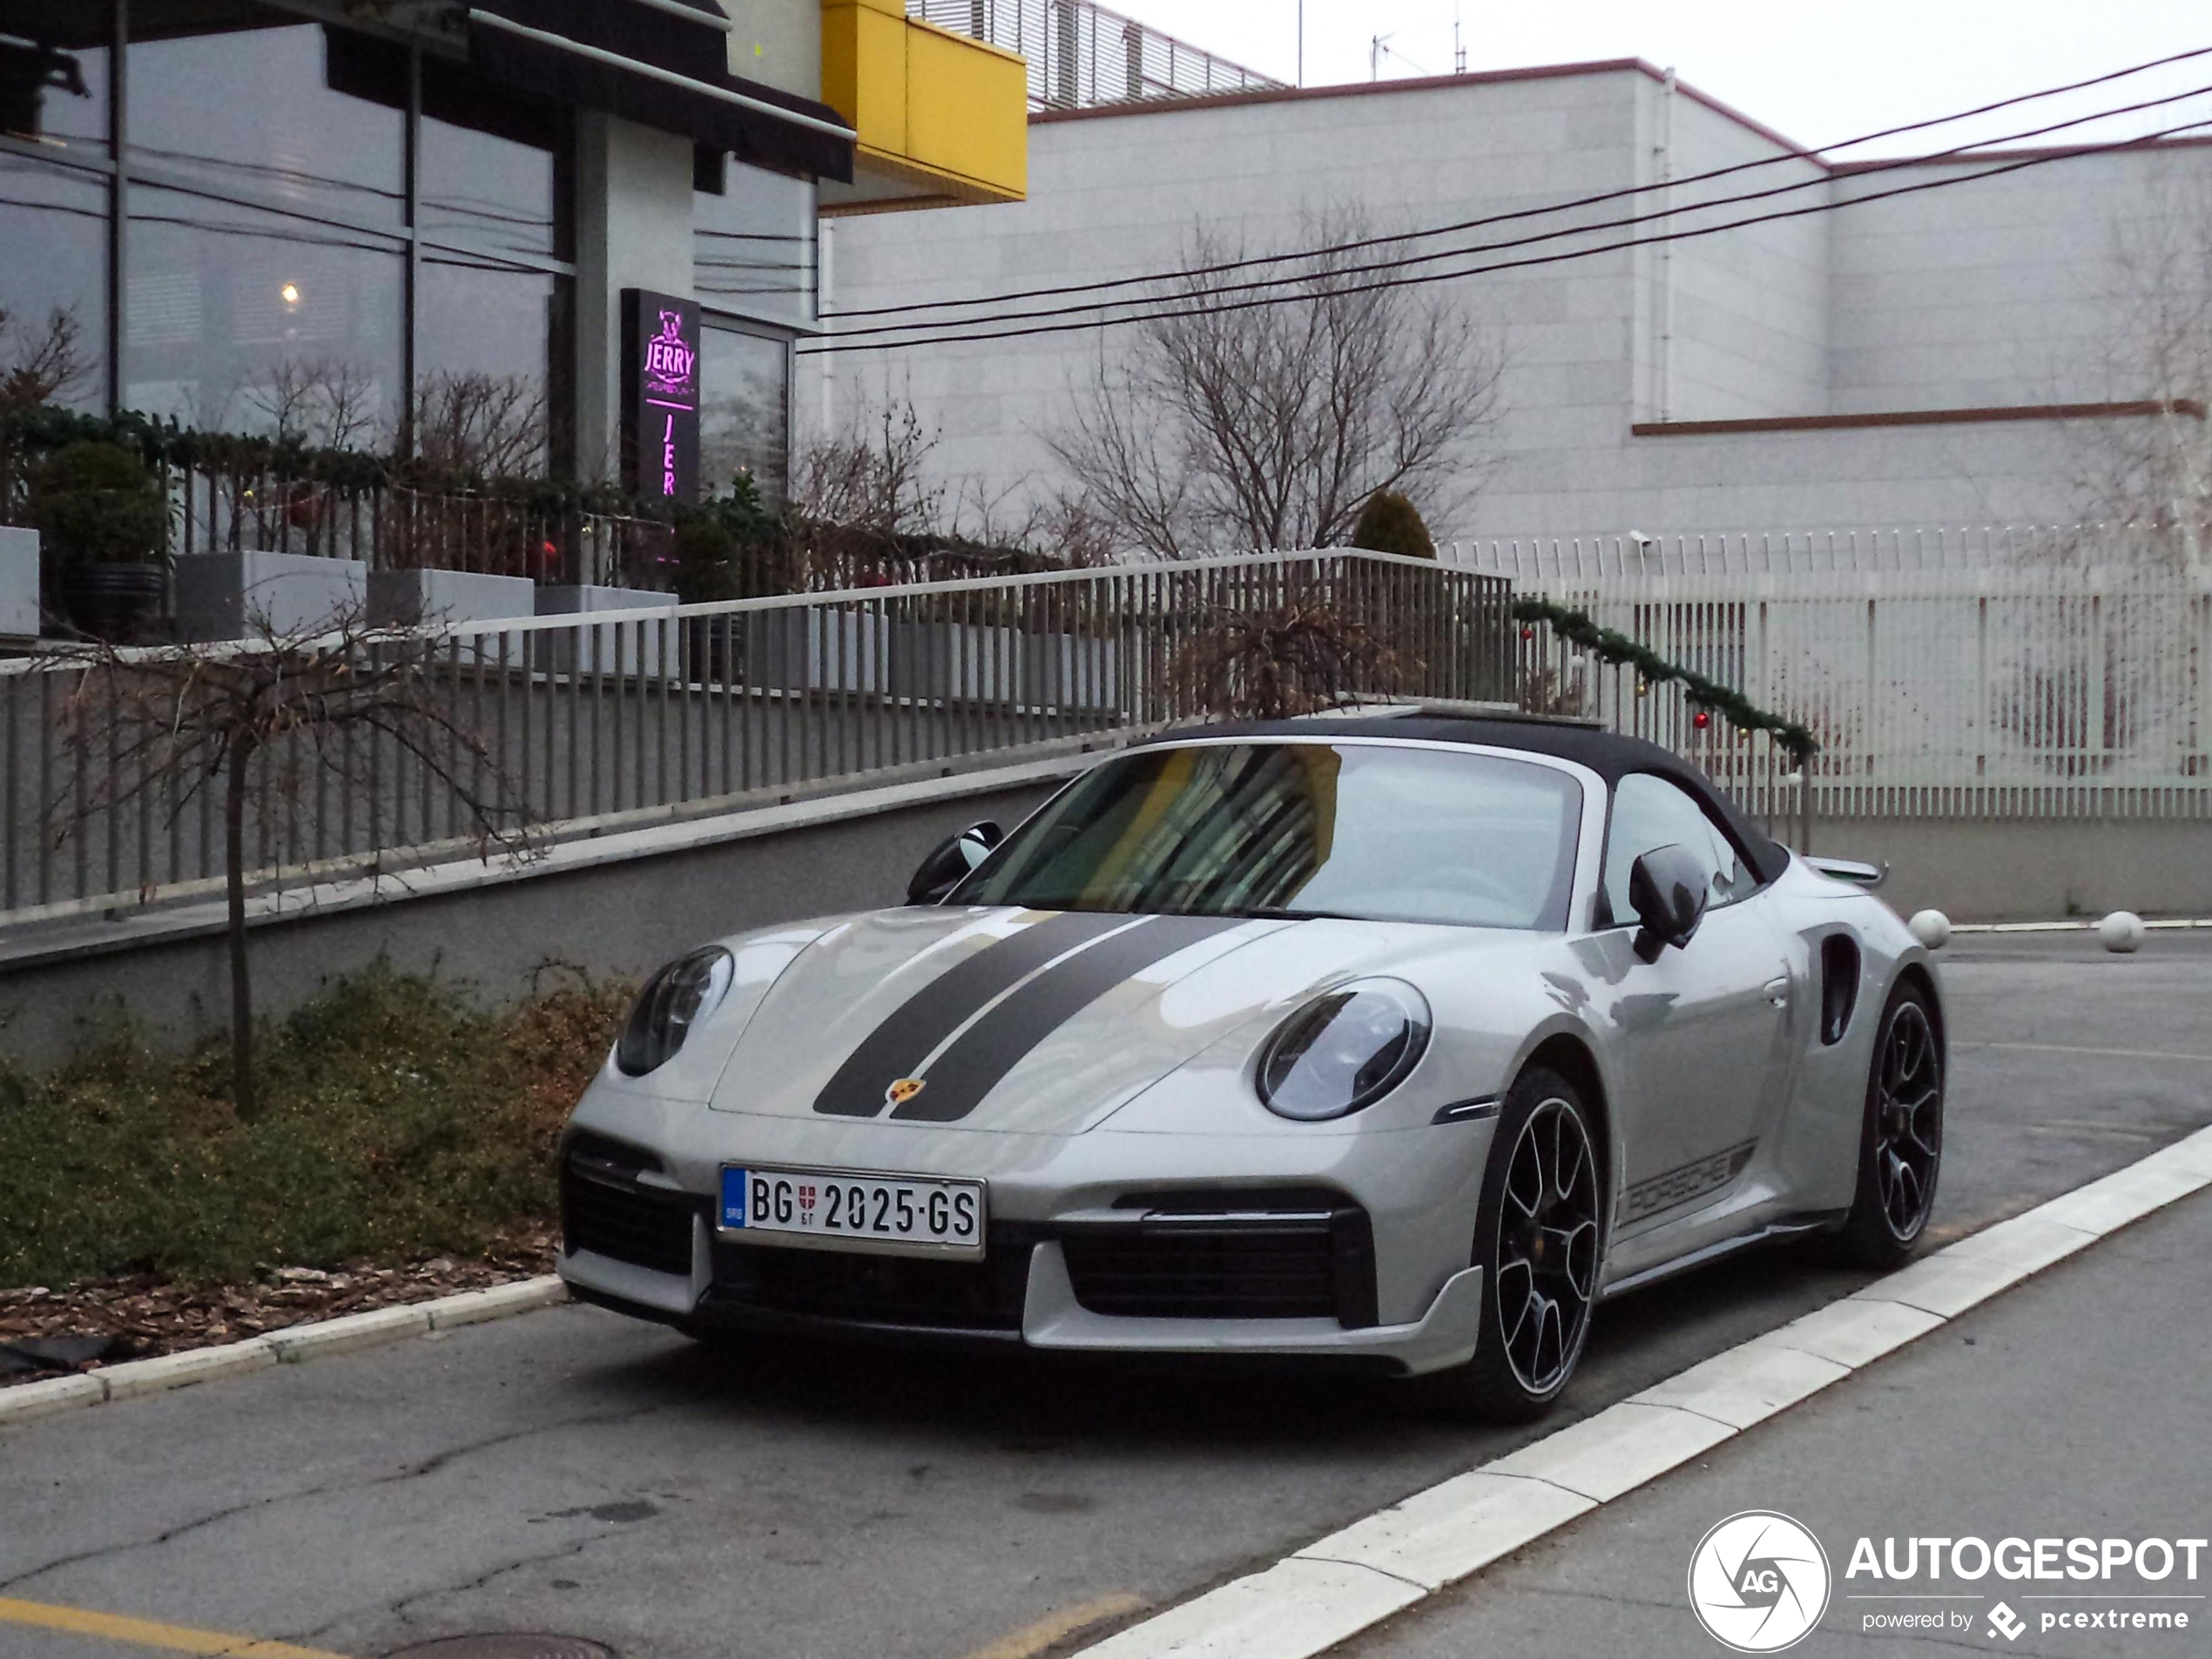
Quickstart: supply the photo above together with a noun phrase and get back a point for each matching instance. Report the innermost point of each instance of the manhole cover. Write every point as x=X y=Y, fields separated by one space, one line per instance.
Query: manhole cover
x=506 y=1645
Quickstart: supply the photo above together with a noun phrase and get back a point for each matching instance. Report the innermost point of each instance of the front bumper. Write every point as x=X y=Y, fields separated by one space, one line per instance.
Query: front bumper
x=1051 y=1318
x=1355 y=1247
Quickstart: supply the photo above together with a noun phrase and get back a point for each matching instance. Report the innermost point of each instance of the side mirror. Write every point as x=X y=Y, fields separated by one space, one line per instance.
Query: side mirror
x=1669 y=886
x=951 y=860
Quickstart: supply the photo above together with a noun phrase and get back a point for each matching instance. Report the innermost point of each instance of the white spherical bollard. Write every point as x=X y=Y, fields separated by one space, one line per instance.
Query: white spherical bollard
x=2122 y=931
x=1930 y=928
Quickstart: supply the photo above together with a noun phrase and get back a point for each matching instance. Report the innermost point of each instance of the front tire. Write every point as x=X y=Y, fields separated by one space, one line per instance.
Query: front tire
x=1900 y=1150
x=1538 y=1237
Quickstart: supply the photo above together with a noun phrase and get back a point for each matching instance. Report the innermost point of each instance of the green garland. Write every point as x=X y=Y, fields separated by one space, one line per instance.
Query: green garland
x=1577 y=628
x=160 y=442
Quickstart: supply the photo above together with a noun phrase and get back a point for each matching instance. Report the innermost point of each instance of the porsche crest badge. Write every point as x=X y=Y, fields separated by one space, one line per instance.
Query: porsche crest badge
x=902 y=1091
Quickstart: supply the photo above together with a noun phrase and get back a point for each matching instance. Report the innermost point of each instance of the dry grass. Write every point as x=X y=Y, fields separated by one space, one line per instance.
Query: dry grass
x=398 y=1120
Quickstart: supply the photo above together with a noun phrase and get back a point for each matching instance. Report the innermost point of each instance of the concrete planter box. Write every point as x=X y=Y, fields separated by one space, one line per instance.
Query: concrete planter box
x=938 y=660
x=816 y=650
x=19 y=583
x=1071 y=671
x=648 y=646
x=412 y=599
x=231 y=595
x=409 y=599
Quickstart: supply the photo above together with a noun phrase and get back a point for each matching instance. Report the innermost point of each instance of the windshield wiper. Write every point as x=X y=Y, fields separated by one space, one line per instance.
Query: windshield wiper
x=1286 y=912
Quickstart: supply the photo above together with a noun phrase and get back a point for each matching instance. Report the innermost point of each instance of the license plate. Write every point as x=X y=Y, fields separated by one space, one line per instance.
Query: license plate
x=851 y=1210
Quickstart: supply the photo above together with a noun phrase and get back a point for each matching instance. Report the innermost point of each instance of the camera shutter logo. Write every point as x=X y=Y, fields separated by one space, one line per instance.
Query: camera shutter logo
x=1758 y=1582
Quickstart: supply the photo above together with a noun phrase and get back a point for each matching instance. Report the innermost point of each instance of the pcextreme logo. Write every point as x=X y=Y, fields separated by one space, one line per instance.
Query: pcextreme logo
x=1758 y=1581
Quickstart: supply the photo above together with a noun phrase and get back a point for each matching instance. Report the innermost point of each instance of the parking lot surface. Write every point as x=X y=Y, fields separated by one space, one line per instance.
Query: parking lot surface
x=571 y=1471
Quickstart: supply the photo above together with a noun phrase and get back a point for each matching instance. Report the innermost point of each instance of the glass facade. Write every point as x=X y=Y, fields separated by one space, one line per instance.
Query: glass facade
x=53 y=279
x=325 y=236
x=744 y=410
x=753 y=260
x=344 y=239
x=752 y=247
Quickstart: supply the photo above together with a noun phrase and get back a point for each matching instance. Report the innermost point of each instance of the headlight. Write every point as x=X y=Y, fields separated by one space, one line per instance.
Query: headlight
x=674 y=1000
x=1343 y=1049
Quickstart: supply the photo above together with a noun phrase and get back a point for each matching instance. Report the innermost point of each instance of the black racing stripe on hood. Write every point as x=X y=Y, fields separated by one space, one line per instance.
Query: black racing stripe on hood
x=958 y=1079
x=932 y=1014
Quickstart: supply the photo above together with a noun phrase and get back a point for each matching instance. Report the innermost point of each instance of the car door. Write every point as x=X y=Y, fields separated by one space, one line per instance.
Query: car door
x=1702 y=1033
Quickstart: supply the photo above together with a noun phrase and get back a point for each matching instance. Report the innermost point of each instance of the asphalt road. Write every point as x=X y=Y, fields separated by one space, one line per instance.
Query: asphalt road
x=571 y=1471
x=2073 y=1407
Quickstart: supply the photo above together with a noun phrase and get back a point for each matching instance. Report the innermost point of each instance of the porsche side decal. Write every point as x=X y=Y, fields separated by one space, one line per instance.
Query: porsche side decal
x=959 y=1078
x=932 y=1012
x=1677 y=1187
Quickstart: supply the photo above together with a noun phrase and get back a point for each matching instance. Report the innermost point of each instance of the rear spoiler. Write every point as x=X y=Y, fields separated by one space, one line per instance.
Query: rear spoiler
x=1850 y=870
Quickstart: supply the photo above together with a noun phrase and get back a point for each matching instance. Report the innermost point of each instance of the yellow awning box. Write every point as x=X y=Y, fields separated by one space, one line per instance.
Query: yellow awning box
x=943 y=120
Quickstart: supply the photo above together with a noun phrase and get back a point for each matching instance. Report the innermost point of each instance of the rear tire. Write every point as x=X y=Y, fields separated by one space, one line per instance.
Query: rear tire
x=1900 y=1144
x=1539 y=1238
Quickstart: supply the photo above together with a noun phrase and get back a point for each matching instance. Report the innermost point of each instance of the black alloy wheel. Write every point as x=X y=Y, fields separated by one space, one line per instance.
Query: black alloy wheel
x=1901 y=1147
x=1538 y=1237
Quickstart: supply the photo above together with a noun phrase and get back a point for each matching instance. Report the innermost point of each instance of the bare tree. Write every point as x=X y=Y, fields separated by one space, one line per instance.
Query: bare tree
x=873 y=476
x=258 y=719
x=40 y=365
x=1269 y=426
x=325 y=401
x=1297 y=657
x=492 y=426
x=2156 y=474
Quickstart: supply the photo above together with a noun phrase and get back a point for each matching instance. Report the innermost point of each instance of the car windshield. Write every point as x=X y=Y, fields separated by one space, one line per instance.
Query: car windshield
x=1378 y=832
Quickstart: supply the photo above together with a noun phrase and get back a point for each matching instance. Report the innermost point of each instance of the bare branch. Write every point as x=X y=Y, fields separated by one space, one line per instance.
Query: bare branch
x=1271 y=427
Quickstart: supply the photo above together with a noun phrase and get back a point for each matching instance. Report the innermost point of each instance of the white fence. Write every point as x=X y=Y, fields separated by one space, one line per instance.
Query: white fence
x=1541 y=560
x=1981 y=692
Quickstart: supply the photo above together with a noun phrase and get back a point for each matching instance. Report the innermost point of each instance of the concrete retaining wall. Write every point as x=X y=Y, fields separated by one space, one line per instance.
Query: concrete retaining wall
x=2033 y=869
x=611 y=915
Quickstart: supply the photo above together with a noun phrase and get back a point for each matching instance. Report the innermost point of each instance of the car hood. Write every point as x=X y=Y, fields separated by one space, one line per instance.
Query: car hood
x=1024 y=1020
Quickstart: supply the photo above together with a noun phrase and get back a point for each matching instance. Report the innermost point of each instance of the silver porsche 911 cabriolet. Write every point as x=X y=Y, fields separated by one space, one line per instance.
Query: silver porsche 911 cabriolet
x=1402 y=1036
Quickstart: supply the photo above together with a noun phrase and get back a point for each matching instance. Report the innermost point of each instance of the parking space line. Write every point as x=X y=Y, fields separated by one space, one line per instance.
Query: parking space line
x=1378 y=1566
x=1058 y=1625
x=148 y=1633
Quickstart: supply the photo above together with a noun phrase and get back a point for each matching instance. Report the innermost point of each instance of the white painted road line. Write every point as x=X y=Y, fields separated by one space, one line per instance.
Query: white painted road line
x=1332 y=1589
x=342 y=1335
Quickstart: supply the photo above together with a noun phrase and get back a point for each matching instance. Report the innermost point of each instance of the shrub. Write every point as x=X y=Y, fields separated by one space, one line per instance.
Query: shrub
x=1389 y=523
x=98 y=502
x=396 y=1121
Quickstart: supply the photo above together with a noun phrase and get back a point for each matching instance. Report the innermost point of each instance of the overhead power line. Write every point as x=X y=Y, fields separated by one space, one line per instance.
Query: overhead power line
x=1303 y=280
x=834 y=344
x=1357 y=246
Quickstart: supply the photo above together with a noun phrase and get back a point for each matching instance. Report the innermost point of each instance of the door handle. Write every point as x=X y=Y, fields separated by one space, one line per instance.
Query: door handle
x=1776 y=991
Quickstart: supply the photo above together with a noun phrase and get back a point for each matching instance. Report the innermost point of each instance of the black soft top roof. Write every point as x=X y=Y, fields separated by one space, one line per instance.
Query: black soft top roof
x=1609 y=754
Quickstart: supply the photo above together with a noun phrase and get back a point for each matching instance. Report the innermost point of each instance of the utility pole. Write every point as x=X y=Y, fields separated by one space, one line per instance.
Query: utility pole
x=1301 y=42
x=1459 y=52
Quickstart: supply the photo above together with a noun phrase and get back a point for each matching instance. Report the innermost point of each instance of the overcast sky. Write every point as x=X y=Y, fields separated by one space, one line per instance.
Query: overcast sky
x=1819 y=73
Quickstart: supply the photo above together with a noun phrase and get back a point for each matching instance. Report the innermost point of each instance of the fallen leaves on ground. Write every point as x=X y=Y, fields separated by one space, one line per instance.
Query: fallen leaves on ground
x=145 y=1314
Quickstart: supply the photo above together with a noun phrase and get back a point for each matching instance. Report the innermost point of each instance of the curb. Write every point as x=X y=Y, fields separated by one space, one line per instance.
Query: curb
x=345 y=1334
x=1314 y=1598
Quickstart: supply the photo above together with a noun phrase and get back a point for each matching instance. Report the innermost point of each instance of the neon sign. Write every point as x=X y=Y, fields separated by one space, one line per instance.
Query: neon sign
x=660 y=402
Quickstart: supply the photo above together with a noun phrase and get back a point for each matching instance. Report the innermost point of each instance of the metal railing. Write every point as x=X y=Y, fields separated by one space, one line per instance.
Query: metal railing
x=2051 y=691
x=1627 y=556
x=575 y=725
x=1082 y=54
x=391 y=527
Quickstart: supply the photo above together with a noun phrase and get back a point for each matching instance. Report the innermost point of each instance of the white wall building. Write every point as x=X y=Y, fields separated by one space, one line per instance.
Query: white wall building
x=1936 y=358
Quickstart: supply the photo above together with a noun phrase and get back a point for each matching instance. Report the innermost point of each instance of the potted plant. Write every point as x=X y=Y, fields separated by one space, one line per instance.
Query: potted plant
x=101 y=515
